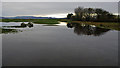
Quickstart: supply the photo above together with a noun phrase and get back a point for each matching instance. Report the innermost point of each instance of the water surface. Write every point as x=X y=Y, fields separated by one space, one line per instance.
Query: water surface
x=61 y=45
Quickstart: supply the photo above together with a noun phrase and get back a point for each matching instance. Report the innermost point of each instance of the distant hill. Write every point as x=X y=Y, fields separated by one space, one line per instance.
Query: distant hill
x=1 y=17
x=28 y=17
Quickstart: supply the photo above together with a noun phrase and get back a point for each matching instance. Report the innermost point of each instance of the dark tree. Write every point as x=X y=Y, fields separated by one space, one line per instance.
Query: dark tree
x=69 y=16
x=91 y=14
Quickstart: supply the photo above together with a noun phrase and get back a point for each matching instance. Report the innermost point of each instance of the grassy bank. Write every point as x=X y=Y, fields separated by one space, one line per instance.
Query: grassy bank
x=108 y=25
x=0 y=20
x=37 y=21
x=46 y=21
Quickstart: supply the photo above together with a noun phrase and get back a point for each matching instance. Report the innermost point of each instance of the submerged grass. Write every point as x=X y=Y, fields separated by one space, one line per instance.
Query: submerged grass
x=7 y=31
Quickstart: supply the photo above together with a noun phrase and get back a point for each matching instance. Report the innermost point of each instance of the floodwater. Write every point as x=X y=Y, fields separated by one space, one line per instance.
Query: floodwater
x=59 y=45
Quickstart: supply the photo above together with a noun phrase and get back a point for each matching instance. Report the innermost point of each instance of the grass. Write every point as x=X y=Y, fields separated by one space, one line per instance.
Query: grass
x=108 y=25
x=37 y=21
x=7 y=31
x=46 y=21
x=50 y=25
x=65 y=20
x=0 y=20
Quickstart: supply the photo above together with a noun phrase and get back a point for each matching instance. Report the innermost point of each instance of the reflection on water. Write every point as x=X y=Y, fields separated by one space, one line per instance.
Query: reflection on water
x=79 y=29
x=83 y=29
x=59 y=46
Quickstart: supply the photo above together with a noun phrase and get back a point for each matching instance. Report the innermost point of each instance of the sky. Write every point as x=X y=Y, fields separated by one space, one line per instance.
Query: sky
x=60 y=0
x=52 y=9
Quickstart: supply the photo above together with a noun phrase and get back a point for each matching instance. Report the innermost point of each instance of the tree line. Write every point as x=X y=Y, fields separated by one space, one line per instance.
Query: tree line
x=92 y=14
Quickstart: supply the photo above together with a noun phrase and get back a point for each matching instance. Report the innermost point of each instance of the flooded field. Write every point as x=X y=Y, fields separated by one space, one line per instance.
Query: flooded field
x=58 y=45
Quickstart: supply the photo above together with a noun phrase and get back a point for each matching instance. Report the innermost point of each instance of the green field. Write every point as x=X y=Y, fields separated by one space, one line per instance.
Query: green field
x=37 y=21
x=46 y=21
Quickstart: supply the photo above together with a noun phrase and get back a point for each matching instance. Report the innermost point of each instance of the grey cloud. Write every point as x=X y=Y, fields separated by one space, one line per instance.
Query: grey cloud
x=60 y=0
x=44 y=8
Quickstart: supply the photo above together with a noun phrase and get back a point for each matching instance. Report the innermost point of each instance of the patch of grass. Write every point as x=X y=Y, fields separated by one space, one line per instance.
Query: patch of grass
x=65 y=20
x=7 y=31
x=38 y=21
x=46 y=21
x=50 y=25
x=108 y=25
x=0 y=20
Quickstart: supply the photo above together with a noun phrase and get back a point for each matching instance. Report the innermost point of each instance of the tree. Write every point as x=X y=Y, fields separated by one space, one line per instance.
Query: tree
x=84 y=14
x=101 y=13
x=98 y=11
x=79 y=13
x=69 y=16
x=91 y=14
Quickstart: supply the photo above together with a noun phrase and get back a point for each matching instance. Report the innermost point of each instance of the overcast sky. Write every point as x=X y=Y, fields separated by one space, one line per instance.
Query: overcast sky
x=60 y=0
x=53 y=9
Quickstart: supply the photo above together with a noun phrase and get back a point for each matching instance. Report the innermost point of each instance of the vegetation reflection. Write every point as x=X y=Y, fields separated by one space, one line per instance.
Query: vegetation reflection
x=84 y=29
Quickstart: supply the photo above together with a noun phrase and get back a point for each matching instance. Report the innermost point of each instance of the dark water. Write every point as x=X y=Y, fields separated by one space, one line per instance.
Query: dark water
x=63 y=45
